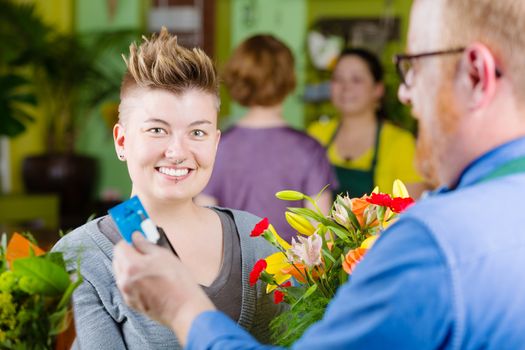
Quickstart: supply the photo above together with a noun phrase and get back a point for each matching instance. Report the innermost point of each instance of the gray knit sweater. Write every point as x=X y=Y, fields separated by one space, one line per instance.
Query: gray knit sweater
x=104 y=321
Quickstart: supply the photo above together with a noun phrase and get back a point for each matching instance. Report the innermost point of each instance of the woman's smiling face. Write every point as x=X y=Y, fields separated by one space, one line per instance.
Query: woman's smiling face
x=353 y=89
x=169 y=142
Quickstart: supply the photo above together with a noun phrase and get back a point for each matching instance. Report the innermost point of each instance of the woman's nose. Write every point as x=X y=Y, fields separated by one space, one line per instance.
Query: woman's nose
x=176 y=148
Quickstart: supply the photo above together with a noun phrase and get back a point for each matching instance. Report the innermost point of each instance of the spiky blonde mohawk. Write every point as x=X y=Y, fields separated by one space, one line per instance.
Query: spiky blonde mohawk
x=161 y=63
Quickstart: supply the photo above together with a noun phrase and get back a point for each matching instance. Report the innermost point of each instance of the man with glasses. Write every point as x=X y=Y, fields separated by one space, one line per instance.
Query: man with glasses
x=450 y=273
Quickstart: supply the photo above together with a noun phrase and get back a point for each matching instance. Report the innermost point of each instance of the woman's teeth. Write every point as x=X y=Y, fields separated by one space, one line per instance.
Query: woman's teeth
x=174 y=172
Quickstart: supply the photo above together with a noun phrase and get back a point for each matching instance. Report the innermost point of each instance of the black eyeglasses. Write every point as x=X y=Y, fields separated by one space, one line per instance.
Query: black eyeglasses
x=404 y=62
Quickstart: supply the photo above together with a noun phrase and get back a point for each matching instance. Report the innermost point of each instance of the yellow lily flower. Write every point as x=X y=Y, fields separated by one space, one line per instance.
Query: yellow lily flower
x=289 y=195
x=369 y=242
x=299 y=223
x=399 y=189
x=276 y=263
x=285 y=245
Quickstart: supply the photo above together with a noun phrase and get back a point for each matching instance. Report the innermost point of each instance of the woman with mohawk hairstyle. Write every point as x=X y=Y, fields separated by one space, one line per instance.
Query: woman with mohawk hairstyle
x=167 y=134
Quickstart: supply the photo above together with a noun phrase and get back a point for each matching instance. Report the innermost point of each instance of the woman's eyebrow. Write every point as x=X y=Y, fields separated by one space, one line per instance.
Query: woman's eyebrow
x=156 y=120
x=199 y=122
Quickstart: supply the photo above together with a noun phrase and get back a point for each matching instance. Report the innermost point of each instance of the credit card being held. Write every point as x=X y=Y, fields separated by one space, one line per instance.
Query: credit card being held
x=130 y=216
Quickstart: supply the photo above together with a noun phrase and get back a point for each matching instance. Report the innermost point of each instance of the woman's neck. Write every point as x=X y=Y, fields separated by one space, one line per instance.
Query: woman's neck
x=168 y=213
x=356 y=122
x=263 y=117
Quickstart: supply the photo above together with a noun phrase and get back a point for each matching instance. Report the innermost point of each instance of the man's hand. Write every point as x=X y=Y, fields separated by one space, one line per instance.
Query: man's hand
x=153 y=281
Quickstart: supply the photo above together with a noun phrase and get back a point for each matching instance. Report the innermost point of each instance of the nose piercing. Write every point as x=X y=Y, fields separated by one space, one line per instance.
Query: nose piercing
x=179 y=161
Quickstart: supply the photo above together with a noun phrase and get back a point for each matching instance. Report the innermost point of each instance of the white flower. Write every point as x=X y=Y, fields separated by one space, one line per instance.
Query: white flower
x=340 y=213
x=307 y=250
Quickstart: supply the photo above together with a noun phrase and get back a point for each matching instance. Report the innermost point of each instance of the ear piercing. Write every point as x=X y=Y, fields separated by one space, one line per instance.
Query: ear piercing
x=121 y=156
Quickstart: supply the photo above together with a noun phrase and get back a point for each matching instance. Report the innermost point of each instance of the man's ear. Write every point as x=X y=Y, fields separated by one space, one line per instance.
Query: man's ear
x=481 y=68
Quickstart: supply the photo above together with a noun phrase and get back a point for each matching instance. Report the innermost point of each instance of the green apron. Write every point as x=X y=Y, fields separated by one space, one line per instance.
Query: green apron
x=356 y=182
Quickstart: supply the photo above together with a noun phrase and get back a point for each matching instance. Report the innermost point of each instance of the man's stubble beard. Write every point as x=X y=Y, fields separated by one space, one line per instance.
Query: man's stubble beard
x=435 y=138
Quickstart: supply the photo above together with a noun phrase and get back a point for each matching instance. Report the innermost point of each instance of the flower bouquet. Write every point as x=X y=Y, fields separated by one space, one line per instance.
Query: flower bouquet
x=307 y=273
x=35 y=290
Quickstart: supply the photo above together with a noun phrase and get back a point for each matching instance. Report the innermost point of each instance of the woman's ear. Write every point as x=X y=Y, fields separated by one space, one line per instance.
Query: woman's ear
x=480 y=65
x=379 y=91
x=119 y=138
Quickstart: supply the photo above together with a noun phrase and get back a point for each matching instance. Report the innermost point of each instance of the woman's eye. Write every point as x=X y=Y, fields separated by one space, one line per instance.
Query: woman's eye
x=198 y=133
x=157 y=131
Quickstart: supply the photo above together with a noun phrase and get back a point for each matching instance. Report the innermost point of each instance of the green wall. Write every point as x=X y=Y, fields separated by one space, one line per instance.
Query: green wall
x=250 y=17
x=96 y=137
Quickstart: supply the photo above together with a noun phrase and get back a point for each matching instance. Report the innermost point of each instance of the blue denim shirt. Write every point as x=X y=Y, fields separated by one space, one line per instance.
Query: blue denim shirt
x=450 y=274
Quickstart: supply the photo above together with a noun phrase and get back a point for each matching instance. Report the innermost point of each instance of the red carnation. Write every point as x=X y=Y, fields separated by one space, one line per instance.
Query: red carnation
x=400 y=204
x=286 y=284
x=260 y=228
x=382 y=199
x=258 y=268
x=278 y=296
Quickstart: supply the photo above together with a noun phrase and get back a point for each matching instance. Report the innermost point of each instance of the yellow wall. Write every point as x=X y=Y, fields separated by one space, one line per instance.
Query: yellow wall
x=58 y=13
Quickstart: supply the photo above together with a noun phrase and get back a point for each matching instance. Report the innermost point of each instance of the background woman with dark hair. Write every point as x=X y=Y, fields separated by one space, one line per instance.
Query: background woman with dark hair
x=261 y=154
x=365 y=150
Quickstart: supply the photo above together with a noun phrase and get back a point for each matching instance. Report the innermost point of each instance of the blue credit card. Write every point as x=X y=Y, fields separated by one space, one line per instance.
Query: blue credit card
x=128 y=217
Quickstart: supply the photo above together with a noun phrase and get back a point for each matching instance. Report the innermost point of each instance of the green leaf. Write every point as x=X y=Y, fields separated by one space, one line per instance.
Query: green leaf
x=310 y=291
x=343 y=277
x=58 y=321
x=309 y=213
x=56 y=258
x=24 y=98
x=339 y=232
x=48 y=278
x=352 y=218
x=327 y=254
x=305 y=295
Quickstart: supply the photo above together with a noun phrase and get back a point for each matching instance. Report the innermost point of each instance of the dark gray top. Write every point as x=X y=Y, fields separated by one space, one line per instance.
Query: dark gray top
x=224 y=291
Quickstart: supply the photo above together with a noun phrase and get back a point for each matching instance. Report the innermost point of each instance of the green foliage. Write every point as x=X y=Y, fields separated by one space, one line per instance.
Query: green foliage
x=42 y=276
x=22 y=33
x=34 y=300
x=290 y=325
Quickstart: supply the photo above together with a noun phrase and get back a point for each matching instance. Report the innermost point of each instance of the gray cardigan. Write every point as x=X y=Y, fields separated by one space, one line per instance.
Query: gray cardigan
x=104 y=321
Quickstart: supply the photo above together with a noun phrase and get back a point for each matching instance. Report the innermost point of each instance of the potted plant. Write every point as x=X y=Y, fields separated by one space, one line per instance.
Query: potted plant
x=24 y=31
x=68 y=80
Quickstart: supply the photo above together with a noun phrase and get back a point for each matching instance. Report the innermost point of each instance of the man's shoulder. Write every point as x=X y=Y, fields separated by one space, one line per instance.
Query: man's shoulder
x=473 y=220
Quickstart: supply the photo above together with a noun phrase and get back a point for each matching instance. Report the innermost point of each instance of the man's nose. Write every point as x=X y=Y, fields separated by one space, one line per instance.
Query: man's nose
x=403 y=93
